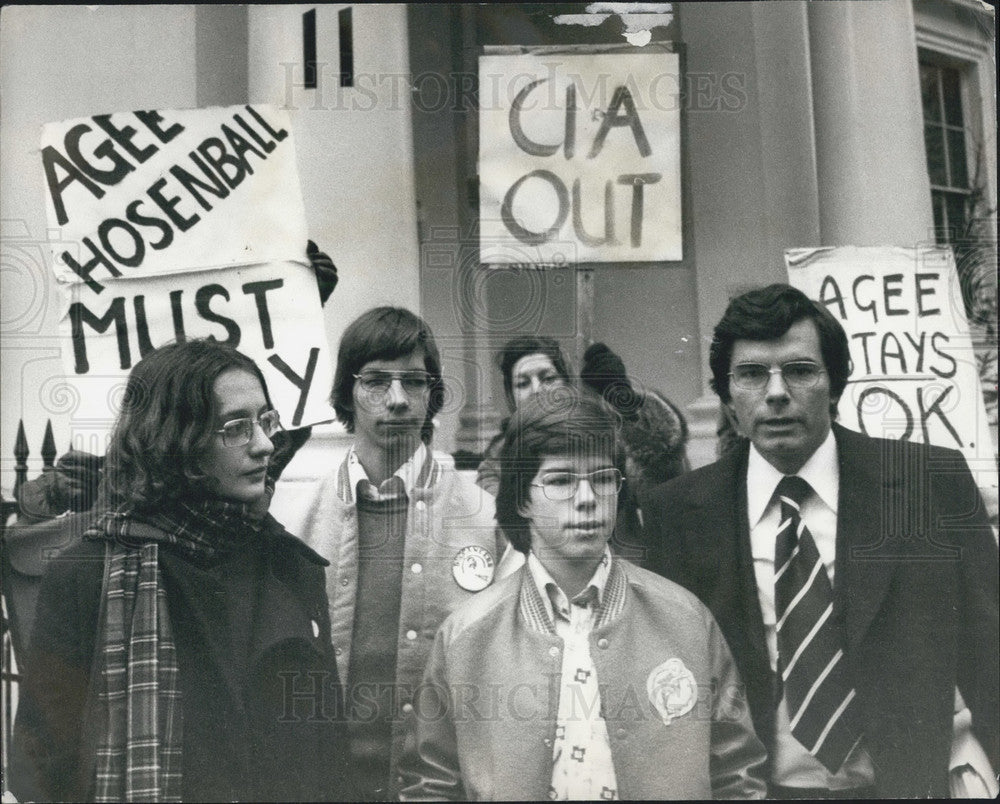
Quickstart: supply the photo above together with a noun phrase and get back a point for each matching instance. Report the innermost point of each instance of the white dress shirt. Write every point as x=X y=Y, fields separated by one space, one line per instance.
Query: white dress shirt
x=390 y=488
x=794 y=766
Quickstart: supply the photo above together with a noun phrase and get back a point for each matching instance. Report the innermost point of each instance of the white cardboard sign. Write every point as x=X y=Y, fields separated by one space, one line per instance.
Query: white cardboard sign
x=176 y=224
x=579 y=158
x=914 y=369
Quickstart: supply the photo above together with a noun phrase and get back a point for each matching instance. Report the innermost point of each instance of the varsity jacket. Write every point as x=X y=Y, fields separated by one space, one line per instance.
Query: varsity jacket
x=671 y=698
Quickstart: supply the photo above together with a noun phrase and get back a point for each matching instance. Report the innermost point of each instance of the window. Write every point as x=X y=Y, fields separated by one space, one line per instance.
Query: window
x=947 y=154
x=956 y=57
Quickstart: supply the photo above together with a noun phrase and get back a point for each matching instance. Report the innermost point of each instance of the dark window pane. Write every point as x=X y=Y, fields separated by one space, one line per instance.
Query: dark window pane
x=929 y=92
x=934 y=140
x=952 y=89
x=956 y=159
x=955 y=205
x=938 y=203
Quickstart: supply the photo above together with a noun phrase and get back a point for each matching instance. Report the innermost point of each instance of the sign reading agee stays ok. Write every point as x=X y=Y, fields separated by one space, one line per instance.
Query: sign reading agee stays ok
x=914 y=373
x=179 y=224
x=579 y=157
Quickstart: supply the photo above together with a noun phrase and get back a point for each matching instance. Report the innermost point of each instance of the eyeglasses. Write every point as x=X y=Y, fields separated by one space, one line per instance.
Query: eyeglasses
x=377 y=383
x=796 y=374
x=239 y=432
x=558 y=486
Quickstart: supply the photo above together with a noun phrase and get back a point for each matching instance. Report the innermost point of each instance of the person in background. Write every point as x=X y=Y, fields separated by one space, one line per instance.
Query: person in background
x=70 y=487
x=182 y=648
x=54 y=509
x=408 y=537
x=855 y=578
x=528 y=364
x=581 y=677
x=654 y=433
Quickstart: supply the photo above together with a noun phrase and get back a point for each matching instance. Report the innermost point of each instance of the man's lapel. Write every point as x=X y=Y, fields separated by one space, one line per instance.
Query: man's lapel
x=718 y=514
x=863 y=572
x=745 y=568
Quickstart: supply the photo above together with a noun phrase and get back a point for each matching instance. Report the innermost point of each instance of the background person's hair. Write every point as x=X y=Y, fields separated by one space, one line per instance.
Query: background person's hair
x=568 y=423
x=166 y=423
x=525 y=345
x=603 y=371
x=655 y=441
x=385 y=333
x=766 y=314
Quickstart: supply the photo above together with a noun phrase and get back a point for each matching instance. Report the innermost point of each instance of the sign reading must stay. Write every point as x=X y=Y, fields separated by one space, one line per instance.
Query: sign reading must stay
x=178 y=224
x=914 y=369
x=579 y=157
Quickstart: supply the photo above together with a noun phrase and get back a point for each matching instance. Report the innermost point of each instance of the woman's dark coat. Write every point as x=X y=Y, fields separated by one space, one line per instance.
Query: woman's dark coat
x=261 y=695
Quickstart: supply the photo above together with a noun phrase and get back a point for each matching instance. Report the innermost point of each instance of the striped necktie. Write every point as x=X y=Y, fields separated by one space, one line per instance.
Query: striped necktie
x=822 y=706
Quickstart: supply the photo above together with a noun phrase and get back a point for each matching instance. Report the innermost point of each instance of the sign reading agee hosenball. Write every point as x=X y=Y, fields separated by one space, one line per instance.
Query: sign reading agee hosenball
x=178 y=224
x=579 y=157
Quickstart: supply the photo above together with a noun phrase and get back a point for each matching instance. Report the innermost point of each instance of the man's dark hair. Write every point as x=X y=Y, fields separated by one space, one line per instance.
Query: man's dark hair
x=385 y=333
x=166 y=423
x=567 y=422
x=525 y=345
x=766 y=314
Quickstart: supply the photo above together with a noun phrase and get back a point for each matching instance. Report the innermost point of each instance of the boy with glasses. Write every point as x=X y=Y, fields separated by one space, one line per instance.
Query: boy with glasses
x=580 y=677
x=407 y=537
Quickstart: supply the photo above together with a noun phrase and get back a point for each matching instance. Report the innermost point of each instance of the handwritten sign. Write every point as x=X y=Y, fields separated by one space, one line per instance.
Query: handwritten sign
x=179 y=224
x=579 y=158
x=914 y=371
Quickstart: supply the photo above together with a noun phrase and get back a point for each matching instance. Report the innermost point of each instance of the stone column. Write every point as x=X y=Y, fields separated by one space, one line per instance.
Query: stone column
x=752 y=168
x=870 y=158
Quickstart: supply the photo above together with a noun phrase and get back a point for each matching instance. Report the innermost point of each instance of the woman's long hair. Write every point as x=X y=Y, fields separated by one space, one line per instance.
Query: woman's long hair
x=166 y=423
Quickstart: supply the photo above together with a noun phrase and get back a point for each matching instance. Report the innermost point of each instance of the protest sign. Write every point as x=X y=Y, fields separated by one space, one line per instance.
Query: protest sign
x=177 y=224
x=579 y=157
x=914 y=373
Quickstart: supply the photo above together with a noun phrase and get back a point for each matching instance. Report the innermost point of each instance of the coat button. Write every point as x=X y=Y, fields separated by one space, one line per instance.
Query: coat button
x=421 y=505
x=553 y=651
x=338 y=651
x=621 y=734
x=417 y=569
x=602 y=643
x=548 y=742
x=411 y=635
x=407 y=708
x=344 y=582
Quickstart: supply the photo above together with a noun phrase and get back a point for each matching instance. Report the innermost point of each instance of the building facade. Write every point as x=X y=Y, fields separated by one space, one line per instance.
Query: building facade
x=801 y=124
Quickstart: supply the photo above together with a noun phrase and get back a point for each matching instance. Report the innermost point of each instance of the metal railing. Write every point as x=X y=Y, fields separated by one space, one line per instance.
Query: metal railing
x=9 y=676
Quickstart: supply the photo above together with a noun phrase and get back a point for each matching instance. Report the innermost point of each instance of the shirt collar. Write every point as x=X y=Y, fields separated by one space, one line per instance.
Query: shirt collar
x=549 y=590
x=412 y=472
x=821 y=472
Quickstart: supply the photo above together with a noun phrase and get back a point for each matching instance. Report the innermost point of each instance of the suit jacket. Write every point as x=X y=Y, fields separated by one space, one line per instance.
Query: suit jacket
x=915 y=595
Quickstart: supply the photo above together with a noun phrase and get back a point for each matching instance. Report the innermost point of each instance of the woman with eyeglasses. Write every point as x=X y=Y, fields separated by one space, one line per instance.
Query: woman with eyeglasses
x=582 y=676
x=182 y=649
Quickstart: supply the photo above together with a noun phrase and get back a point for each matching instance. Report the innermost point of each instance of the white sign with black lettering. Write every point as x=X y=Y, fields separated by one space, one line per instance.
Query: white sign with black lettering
x=178 y=224
x=914 y=369
x=579 y=158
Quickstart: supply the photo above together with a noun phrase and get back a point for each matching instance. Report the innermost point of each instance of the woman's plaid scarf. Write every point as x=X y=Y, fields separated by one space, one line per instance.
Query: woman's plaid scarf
x=139 y=751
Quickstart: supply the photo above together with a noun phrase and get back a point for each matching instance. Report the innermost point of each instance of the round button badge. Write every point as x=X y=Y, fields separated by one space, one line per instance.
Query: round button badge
x=473 y=568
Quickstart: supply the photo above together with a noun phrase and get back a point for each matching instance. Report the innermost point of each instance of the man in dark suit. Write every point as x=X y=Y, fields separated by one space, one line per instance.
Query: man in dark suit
x=858 y=598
